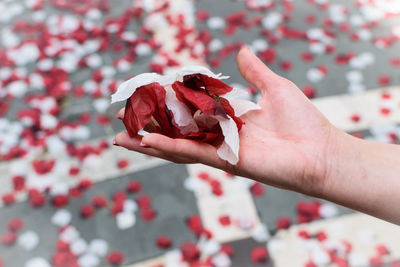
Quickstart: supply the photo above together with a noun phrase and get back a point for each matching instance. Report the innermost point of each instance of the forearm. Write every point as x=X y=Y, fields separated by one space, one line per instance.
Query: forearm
x=365 y=176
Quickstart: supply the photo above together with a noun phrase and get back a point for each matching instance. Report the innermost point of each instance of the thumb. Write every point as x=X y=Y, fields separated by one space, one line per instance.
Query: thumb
x=256 y=72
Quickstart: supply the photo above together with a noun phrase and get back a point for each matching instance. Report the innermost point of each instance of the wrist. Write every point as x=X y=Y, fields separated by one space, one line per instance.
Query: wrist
x=339 y=153
x=342 y=161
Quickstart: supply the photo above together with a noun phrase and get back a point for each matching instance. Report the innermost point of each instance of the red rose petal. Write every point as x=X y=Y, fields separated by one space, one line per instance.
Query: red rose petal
x=147 y=101
x=394 y=61
x=123 y=163
x=204 y=137
x=212 y=85
x=321 y=236
x=382 y=249
x=307 y=56
x=195 y=224
x=75 y=192
x=43 y=166
x=60 y=201
x=85 y=184
x=257 y=189
x=133 y=187
x=198 y=99
x=286 y=65
x=283 y=223
x=268 y=55
x=190 y=252
x=163 y=242
x=227 y=249
x=73 y=171
x=310 y=264
x=384 y=80
x=385 y=111
x=8 y=198
x=86 y=211
x=99 y=201
x=8 y=238
x=259 y=255
x=4 y=106
x=15 y=224
x=148 y=214
x=115 y=258
x=224 y=220
x=37 y=199
x=18 y=182
x=355 y=118
x=231 y=112
x=144 y=201
x=202 y=15
x=376 y=261
x=303 y=234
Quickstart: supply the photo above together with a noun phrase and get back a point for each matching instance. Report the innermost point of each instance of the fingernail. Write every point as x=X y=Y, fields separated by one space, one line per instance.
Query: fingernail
x=144 y=145
x=114 y=142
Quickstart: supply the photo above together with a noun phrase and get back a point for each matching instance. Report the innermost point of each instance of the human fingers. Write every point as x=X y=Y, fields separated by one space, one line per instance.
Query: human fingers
x=256 y=72
x=135 y=144
x=187 y=149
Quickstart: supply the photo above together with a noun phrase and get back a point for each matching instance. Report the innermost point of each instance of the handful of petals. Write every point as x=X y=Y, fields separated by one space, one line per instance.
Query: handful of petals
x=191 y=103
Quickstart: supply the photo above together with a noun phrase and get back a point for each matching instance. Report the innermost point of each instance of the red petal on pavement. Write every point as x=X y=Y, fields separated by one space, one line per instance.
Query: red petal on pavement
x=259 y=255
x=115 y=258
x=163 y=242
x=86 y=211
x=133 y=187
x=224 y=220
x=148 y=214
x=15 y=224
x=190 y=252
x=283 y=223
x=8 y=238
x=99 y=201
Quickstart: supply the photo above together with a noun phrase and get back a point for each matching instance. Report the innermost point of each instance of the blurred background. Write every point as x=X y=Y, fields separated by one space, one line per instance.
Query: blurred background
x=69 y=198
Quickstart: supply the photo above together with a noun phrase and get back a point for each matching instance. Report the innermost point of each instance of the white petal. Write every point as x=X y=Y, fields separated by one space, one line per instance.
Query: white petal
x=98 y=247
x=241 y=107
x=88 y=260
x=197 y=69
x=210 y=247
x=229 y=150
x=79 y=246
x=320 y=257
x=28 y=240
x=328 y=210
x=37 y=262
x=127 y=88
x=221 y=260
x=61 y=218
x=182 y=116
x=238 y=92
x=125 y=220
x=260 y=233
x=130 y=206
x=69 y=234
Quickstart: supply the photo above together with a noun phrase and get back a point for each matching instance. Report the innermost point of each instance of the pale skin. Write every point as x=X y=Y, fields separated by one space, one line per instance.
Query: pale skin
x=291 y=145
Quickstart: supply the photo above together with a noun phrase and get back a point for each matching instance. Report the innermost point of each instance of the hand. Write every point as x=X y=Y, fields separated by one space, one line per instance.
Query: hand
x=287 y=144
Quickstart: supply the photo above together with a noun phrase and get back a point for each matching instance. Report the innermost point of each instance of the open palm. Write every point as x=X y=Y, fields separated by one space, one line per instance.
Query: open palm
x=285 y=144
